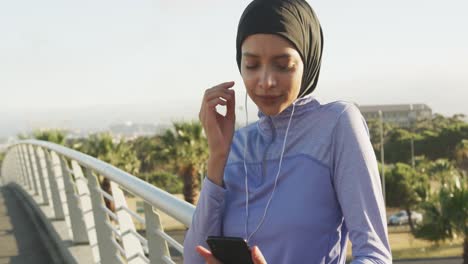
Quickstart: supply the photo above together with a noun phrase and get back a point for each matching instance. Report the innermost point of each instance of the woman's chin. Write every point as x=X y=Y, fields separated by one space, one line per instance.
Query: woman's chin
x=271 y=111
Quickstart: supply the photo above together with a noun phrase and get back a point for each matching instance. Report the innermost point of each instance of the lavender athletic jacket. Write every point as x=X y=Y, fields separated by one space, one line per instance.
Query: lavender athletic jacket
x=328 y=190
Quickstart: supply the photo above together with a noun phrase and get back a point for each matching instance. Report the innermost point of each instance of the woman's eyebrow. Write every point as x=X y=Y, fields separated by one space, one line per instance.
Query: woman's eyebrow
x=248 y=54
x=280 y=56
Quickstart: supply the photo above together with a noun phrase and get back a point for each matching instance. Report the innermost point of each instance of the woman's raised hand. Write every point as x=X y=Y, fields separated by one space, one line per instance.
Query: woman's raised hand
x=219 y=129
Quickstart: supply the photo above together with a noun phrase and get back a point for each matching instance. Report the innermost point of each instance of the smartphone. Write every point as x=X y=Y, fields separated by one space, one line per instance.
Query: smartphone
x=230 y=250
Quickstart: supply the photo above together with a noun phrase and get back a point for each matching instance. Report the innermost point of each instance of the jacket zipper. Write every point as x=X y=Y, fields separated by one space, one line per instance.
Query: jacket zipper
x=273 y=136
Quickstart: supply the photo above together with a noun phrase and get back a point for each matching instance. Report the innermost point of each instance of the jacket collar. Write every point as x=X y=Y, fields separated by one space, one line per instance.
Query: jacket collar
x=277 y=124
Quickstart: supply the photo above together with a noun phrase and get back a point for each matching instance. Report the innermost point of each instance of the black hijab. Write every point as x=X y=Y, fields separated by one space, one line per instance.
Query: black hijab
x=295 y=21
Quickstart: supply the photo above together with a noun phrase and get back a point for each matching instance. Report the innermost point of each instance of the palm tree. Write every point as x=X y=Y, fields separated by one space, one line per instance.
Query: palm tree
x=186 y=150
x=121 y=155
x=446 y=216
x=461 y=155
x=148 y=150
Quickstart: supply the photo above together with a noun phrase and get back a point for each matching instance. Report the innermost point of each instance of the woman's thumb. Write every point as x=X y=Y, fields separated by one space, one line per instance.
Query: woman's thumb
x=257 y=256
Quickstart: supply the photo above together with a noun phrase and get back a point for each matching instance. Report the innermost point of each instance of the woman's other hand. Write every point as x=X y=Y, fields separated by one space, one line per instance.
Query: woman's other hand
x=206 y=254
x=219 y=129
x=257 y=256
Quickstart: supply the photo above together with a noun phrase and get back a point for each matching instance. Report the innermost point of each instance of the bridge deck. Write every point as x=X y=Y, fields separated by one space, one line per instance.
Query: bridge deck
x=20 y=242
x=19 y=239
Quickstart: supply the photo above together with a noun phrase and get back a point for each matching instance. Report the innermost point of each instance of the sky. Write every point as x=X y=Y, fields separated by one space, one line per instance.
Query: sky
x=160 y=56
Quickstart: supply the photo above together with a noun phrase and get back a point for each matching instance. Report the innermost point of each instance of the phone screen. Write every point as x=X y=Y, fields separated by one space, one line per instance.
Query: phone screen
x=230 y=250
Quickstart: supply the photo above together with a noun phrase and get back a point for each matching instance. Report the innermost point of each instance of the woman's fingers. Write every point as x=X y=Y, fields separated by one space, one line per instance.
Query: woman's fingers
x=208 y=114
x=225 y=94
x=257 y=256
x=214 y=102
x=231 y=107
x=212 y=97
x=225 y=85
x=206 y=254
x=218 y=128
x=219 y=90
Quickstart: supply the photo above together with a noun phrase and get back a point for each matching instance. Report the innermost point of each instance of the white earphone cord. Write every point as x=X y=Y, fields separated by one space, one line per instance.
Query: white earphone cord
x=276 y=179
x=245 y=168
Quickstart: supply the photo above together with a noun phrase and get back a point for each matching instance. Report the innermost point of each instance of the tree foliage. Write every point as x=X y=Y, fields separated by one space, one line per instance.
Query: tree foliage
x=119 y=154
x=102 y=146
x=433 y=139
x=166 y=181
x=52 y=135
x=150 y=152
x=446 y=214
x=407 y=188
x=2 y=156
x=185 y=150
x=461 y=155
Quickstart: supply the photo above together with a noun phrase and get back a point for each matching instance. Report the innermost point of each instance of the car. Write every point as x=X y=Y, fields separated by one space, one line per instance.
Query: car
x=401 y=218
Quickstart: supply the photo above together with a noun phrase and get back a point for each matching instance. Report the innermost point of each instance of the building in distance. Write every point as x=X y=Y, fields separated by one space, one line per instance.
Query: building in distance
x=399 y=114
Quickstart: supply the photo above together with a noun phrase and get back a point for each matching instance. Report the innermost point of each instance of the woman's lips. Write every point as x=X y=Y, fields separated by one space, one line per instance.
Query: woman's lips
x=268 y=98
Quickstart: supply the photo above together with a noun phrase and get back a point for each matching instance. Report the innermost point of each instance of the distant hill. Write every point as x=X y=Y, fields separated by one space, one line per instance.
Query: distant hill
x=89 y=119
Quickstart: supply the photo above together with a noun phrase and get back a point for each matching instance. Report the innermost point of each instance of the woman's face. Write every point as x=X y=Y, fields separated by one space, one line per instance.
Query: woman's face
x=272 y=72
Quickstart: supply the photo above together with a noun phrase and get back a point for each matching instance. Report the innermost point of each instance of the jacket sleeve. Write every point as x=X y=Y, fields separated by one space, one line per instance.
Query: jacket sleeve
x=207 y=220
x=358 y=187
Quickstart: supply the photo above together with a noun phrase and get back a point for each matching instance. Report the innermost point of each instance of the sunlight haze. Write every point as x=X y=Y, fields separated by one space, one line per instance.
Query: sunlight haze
x=157 y=57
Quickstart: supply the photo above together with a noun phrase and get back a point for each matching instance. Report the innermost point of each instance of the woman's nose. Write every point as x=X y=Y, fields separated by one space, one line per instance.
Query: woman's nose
x=267 y=79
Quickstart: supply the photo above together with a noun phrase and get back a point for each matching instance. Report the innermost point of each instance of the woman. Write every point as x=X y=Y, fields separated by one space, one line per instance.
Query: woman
x=301 y=180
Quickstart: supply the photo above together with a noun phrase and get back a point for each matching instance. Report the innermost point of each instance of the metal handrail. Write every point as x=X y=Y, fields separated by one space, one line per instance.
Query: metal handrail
x=180 y=210
x=24 y=165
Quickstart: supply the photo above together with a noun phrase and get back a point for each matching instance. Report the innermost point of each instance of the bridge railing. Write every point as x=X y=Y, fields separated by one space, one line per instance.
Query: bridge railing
x=90 y=195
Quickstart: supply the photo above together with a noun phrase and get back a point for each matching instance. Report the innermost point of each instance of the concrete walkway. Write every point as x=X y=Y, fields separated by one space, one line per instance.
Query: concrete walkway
x=19 y=239
x=20 y=242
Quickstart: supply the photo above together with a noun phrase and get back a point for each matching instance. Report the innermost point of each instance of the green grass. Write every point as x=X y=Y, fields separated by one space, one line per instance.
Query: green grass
x=405 y=246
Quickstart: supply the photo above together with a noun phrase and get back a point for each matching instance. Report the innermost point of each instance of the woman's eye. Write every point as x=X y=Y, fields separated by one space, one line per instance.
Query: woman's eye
x=285 y=67
x=250 y=66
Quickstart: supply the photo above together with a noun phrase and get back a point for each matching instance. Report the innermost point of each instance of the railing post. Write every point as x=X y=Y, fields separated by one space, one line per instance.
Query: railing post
x=2 y=172
x=157 y=246
x=31 y=169
x=5 y=169
x=78 y=228
x=15 y=166
x=24 y=175
x=24 y=170
x=105 y=237
x=19 y=173
x=45 y=197
x=18 y=178
x=54 y=190
x=131 y=244
x=10 y=167
x=9 y=170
